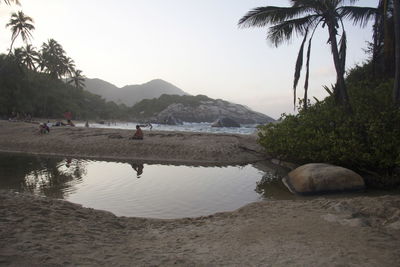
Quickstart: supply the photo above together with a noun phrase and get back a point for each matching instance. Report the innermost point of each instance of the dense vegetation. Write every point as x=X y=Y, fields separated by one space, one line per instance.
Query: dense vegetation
x=358 y=125
x=26 y=91
x=367 y=140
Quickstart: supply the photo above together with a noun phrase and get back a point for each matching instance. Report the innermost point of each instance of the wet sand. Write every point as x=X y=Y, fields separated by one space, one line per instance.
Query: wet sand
x=37 y=231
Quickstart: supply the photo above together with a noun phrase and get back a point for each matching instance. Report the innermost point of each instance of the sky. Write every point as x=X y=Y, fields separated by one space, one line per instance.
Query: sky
x=193 y=44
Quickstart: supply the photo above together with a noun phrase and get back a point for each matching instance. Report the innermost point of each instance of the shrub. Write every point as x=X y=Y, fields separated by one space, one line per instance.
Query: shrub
x=368 y=140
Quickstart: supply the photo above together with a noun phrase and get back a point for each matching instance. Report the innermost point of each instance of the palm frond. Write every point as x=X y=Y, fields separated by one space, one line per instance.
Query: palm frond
x=298 y=67
x=342 y=50
x=262 y=16
x=284 y=31
x=307 y=72
x=329 y=91
x=359 y=15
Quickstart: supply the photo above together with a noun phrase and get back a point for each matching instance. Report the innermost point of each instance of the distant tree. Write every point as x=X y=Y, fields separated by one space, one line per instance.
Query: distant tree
x=29 y=56
x=77 y=79
x=20 y=25
x=18 y=58
x=69 y=67
x=303 y=17
x=53 y=59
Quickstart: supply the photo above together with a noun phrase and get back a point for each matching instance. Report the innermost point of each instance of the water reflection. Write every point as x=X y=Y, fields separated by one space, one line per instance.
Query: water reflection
x=138 y=167
x=49 y=177
x=168 y=191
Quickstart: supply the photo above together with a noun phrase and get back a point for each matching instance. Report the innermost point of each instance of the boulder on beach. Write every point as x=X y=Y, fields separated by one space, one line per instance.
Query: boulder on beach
x=225 y=122
x=315 y=178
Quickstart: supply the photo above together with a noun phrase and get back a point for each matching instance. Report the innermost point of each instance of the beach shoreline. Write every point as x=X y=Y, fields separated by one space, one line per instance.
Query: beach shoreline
x=39 y=231
x=114 y=144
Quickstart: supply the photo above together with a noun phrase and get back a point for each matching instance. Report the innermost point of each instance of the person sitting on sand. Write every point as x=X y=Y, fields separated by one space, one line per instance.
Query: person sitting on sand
x=138 y=134
x=43 y=128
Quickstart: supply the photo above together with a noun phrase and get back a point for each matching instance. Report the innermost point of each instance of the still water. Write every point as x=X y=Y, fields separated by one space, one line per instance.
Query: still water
x=142 y=190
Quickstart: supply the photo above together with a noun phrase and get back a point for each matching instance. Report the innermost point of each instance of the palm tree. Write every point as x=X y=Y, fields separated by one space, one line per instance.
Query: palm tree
x=8 y=2
x=69 y=67
x=29 y=56
x=53 y=59
x=396 y=17
x=20 y=25
x=303 y=17
x=17 y=58
x=77 y=79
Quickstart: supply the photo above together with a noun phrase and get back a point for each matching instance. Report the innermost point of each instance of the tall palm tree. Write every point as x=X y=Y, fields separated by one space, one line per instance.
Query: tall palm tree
x=77 y=79
x=396 y=17
x=20 y=25
x=29 y=56
x=303 y=17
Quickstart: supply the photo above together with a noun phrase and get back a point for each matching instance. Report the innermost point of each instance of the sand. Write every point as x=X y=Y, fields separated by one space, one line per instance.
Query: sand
x=37 y=231
x=157 y=146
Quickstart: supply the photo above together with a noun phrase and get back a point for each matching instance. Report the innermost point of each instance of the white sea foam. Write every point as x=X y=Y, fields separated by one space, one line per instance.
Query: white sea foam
x=203 y=127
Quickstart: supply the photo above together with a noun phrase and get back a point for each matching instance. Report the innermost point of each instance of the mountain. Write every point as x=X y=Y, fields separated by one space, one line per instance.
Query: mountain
x=131 y=94
x=172 y=109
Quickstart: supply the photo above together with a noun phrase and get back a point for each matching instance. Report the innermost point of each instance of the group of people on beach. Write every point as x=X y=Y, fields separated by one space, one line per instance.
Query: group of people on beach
x=45 y=126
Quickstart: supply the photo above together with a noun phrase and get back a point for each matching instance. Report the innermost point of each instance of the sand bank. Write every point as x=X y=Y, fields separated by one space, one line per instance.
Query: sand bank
x=162 y=146
x=36 y=231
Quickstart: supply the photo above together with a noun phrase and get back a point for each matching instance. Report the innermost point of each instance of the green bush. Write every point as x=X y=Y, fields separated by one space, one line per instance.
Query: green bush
x=368 y=140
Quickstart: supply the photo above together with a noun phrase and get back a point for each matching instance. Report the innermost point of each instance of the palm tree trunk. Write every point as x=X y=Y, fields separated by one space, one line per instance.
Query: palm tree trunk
x=12 y=43
x=396 y=16
x=341 y=95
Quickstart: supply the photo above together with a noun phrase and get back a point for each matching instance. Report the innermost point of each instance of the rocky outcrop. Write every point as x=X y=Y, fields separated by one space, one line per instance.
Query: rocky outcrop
x=317 y=178
x=212 y=110
x=225 y=122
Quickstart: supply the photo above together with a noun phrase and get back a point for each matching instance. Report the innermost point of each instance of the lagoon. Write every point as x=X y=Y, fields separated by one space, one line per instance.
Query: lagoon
x=141 y=189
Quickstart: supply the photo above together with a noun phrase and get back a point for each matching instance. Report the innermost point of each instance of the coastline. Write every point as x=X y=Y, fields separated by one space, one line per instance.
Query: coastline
x=157 y=146
x=38 y=231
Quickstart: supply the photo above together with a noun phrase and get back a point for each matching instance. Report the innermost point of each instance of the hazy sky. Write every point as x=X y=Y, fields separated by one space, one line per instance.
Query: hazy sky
x=194 y=44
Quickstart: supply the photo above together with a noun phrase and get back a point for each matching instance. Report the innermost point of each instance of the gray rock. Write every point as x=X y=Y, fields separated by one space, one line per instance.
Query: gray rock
x=225 y=122
x=209 y=111
x=317 y=178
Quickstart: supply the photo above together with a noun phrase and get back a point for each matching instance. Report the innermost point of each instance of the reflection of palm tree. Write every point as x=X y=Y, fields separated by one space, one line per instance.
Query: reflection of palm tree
x=303 y=17
x=20 y=25
x=43 y=176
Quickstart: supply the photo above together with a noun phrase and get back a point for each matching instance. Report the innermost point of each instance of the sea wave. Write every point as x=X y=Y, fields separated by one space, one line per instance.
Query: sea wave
x=203 y=127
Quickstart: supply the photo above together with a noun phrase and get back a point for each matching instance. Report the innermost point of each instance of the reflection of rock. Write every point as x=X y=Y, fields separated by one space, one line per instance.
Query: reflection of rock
x=225 y=122
x=319 y=177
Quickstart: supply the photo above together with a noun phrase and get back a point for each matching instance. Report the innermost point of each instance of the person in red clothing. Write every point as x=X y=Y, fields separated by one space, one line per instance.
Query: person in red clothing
x=138 y=134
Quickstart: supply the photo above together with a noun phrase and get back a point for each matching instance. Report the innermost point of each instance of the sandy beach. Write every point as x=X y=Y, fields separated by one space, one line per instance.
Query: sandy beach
x=37 y=231
x=157 y=146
